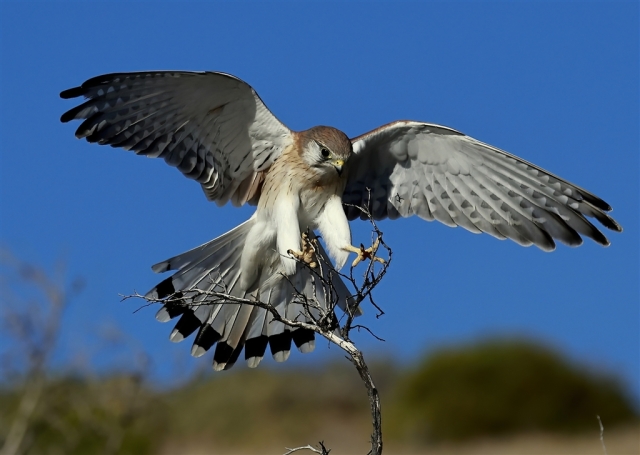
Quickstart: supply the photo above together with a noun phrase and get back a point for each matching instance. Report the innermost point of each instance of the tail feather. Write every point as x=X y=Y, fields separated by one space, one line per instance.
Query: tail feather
x=234 y=356
x=206 y=338
x=206 y=275
x=254 y=350
x=170 y=311
x=222 y=355
x=280 y=345
x=257 y=330
x=187 y=324
x=297 y=310
x=257 y=323
x=257 y=339
x=206 y=249
x=231 y=327
x=278 y=333
x=233 y=336
x=212 y=266
x=304 y=339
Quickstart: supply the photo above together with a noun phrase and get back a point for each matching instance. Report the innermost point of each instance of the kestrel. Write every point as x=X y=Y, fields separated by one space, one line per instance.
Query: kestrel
x=216 y=130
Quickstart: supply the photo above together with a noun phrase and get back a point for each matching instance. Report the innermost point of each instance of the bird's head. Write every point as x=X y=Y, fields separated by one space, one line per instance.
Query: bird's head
x=326 y=150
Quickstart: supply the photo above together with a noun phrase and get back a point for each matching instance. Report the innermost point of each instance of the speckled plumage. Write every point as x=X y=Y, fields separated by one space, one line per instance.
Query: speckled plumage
x=215 y=129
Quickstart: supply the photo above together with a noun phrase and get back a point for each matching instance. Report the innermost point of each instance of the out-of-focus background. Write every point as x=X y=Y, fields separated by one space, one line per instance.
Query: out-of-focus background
x=489 y=347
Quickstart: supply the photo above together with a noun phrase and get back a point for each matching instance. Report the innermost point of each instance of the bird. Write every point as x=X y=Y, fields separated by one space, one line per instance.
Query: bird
x=215 y=129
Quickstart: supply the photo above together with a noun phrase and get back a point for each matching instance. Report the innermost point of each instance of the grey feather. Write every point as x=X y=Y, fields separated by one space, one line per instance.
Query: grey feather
x=215 y=266
x=438 y=173
x=212 y=126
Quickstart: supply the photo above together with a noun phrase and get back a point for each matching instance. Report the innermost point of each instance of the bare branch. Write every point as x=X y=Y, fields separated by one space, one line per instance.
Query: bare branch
x=604 y=447
x=322 y=450
x=364 y=327
x=322 y=320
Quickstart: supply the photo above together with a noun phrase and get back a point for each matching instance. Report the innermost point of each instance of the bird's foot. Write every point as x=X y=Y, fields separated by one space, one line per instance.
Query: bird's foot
x=365 y=253
x=308 y=253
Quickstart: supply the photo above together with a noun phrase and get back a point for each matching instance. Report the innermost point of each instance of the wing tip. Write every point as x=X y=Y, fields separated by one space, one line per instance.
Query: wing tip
x=70 y=114
x=161 y=267
x=614 y=226
x=73 y=92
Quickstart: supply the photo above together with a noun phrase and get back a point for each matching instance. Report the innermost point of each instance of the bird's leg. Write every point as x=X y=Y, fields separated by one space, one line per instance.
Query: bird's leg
x=365 y=253
x=308 y=252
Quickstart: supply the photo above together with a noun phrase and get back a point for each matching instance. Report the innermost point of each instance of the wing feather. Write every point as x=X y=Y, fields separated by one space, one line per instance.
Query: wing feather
x=406 y=168
x=211 y=126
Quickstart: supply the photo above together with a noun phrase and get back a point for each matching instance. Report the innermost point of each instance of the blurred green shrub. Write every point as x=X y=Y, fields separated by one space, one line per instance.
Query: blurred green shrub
x=501 y=387
x=84 y=415
x=489 y=389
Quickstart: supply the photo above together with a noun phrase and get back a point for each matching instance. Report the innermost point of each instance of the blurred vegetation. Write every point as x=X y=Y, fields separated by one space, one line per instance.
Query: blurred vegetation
x=264 y=407
x=243 y=408
x=502 y=387
x=81 y=415
x=489 y=389
x=484 y=389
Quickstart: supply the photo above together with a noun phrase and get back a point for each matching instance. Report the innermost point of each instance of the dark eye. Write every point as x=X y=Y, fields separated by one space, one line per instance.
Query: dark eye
x=325 y=152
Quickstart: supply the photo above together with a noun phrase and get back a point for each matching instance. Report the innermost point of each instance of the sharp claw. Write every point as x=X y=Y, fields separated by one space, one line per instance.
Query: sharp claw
x=307 y=254
x=365 y=253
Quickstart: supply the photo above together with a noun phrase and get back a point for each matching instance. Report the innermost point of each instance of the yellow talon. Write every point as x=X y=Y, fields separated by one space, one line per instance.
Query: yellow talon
x=365 y=253
x=308 y=252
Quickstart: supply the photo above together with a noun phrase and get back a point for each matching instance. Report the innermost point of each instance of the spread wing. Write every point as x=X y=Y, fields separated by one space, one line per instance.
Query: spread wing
x=212 y=126
x=439 y=173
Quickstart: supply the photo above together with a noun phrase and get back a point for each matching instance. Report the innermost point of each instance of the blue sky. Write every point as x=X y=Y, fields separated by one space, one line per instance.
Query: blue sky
x=553 y=82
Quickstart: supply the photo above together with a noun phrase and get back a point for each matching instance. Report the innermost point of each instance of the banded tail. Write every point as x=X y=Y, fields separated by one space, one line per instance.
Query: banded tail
x=215 y=267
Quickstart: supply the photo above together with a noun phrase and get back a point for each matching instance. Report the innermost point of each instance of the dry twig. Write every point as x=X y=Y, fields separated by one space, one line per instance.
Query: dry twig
x=325 y=325
x=322 y=450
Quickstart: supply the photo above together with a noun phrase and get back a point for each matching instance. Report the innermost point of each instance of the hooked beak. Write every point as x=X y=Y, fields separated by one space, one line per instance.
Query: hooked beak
x=338 y=165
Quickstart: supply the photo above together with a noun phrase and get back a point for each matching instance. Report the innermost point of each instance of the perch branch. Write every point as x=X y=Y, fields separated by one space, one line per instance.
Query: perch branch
x=326 y=325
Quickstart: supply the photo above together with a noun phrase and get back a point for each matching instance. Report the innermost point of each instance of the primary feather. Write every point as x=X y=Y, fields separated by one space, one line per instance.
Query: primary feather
x=437 y=173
